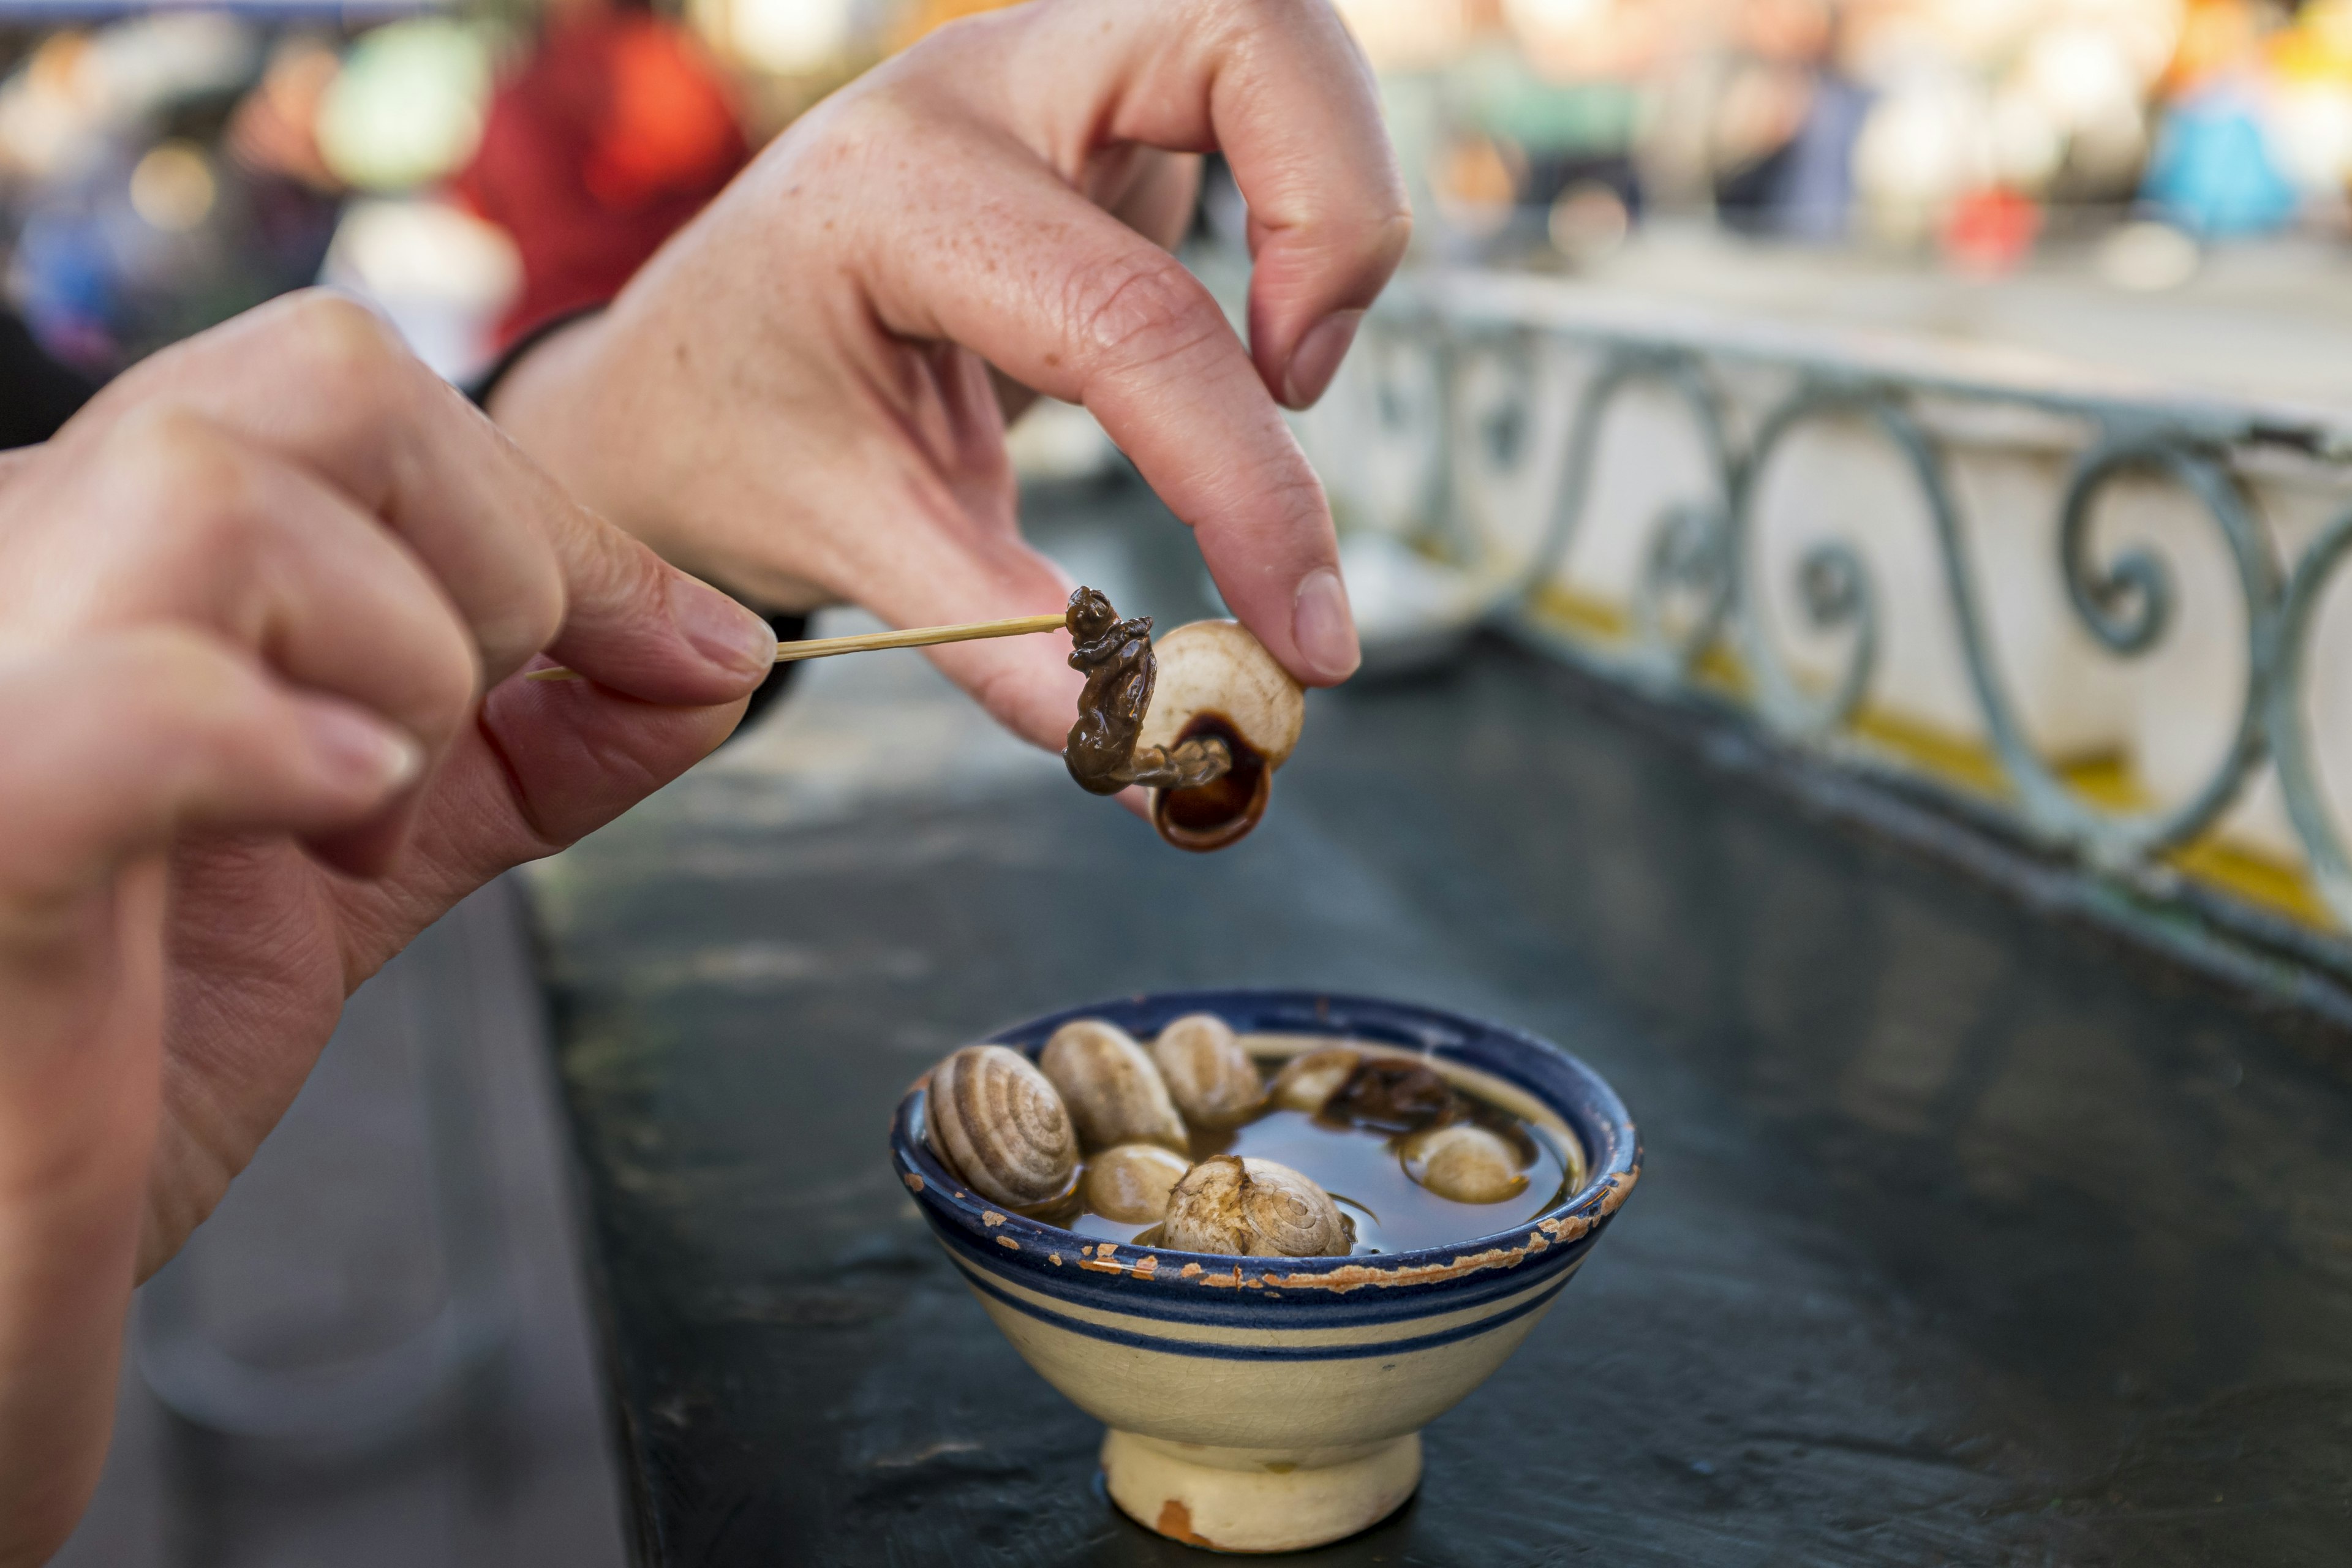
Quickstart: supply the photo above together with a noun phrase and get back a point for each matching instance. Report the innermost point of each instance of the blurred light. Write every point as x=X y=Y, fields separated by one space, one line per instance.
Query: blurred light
x=2078 y=73
x=172 y=187
x=1917 y=151
x=407 y=106
x=1474 y=184
x=1541 y=23
x=1991 y=231
x=1059 y=441
x=2147 y=257
x=791 y=37
x=2028 y=147
x=443 y=276
x=1406 y=34
x=2309 y=130
x=1589 y=222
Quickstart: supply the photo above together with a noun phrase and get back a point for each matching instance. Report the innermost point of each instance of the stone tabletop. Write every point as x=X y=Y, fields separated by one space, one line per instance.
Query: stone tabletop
x=1965 y=1234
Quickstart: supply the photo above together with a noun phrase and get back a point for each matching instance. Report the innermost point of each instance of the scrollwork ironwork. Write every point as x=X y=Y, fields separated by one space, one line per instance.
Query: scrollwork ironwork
x=1699 y=584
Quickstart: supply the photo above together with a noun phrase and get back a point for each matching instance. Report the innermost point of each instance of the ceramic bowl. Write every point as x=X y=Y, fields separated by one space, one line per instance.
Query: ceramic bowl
x=1273 y=1403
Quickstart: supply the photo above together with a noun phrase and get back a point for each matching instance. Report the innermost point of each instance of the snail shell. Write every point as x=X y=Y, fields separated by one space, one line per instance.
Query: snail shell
x=1306 y=1082
x=997 y=1123
x=1211 y=1078
x=1114 y=1093
x=1216 y=679
x=1254 y=1208
x=1465 y=1162
x=1131 y=1184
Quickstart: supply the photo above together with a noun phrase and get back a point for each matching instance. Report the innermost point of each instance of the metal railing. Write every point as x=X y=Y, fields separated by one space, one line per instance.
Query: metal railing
x=1498 y=393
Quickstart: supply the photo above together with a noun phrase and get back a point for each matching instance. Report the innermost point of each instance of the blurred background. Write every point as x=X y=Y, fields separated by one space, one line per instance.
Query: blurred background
x=474 y=167
x=2154 y=187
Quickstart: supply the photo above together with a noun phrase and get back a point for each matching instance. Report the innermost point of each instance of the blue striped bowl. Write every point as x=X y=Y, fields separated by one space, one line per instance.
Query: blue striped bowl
x=1272 y=1403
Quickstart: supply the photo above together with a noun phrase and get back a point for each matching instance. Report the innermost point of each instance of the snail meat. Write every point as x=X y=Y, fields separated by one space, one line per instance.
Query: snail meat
x=1391 y=1093
x=1104 y=753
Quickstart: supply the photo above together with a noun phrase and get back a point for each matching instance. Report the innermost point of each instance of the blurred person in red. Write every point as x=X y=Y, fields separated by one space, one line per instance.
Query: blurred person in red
x=615 y=133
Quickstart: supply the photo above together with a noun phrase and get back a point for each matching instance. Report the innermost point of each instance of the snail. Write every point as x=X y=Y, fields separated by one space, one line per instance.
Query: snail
x=1114 y=1093
x=996 y=1122
x=1131 y=1184
x=1211 y=1078
x=1254 y=1208
x=1217 y=682
x=1306 y=1083
x=1203 y=719
x=1465 y=1162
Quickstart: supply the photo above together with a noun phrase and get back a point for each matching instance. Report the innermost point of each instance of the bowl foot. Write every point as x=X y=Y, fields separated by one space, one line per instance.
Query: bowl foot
x=1253 y=1499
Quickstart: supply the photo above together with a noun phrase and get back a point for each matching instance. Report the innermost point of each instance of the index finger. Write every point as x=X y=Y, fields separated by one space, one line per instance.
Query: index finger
x=322 y=382
x=1282 y=90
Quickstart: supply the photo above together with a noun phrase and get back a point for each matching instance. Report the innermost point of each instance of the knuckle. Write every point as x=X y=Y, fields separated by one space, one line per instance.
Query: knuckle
x=191 y=687
x=527 y=608
x=1142 y=309
x=1236 y=22
x=192 y=487
x=338 y=348
x=451 y=677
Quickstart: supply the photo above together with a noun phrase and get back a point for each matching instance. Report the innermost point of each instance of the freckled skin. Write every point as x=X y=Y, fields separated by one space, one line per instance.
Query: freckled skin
x=983 y=219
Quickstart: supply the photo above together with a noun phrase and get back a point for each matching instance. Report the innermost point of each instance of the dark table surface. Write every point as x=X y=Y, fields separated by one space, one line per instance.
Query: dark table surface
x=1965 y=1235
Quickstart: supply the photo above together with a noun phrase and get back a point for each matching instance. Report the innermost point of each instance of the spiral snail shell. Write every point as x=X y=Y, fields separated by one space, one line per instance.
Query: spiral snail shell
x=1465 y=1162
x=996 y=1122
x=1114 y=1093
x=1210 y=1077
x=1131 y=1184
x=1216 y=680
x=1254 y=1208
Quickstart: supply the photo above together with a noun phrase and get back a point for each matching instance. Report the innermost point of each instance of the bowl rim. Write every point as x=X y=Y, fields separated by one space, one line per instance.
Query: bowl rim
x=1566 y=1228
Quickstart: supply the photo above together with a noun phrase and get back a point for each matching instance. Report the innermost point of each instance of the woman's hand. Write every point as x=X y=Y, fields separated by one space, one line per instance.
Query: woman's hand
x=250 y=602
x=794 y=397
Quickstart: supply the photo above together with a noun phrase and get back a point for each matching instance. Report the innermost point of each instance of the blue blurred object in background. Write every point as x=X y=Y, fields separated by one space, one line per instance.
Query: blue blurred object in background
x=2211 y=171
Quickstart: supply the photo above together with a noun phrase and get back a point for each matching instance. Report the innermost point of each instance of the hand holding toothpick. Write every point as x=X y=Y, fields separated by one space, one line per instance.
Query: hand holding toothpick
x=867 y=642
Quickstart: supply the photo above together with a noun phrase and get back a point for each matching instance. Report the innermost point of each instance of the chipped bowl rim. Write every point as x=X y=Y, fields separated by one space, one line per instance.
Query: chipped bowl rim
x=1491 y=1263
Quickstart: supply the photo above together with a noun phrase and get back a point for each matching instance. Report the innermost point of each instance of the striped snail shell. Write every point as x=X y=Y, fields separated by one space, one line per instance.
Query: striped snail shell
x=1255 y=1208
x=996 y=1122
x=1114 y=1093
x=1211 y=1078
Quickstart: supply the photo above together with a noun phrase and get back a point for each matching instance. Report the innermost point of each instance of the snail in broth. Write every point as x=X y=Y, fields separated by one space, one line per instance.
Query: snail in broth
x=1183 y=1142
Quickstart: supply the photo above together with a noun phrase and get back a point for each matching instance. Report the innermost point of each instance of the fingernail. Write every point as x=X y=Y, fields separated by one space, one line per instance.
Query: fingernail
x=1316 y=358
x=1323 y=626
x=722 y=630
x=367 y=751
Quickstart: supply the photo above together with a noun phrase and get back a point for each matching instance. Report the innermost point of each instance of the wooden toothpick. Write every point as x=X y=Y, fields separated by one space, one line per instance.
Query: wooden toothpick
x=867 y=642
